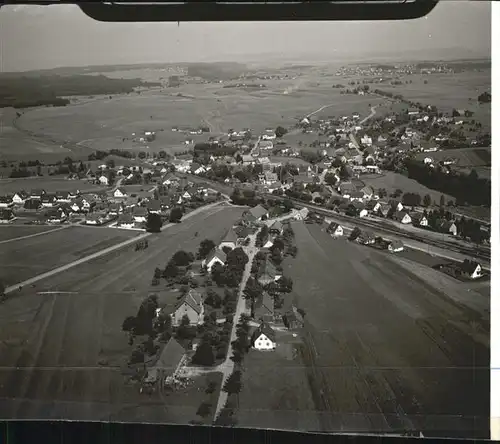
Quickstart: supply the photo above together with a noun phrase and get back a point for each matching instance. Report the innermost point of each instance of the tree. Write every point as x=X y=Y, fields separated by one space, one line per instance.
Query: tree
x=206 y=246
x=175 y=215
x=137 y=357
x=233 y=383
x=153 y=223
x=355 y=233
x=382 y=192
x=204 y=355
x=182 y=258
x=171 y=271
x=280 y=131
x=213 y=299
x=128 y=323
x=330 y=179
x=110 y=163
x=441 y=201
x=427 y=200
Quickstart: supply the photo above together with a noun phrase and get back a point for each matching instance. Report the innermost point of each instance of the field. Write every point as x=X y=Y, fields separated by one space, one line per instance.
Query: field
x=49 y=184
x=8 y=232
x=51 y=344
x=393 y=181
x=384 y=347
x=23 y=259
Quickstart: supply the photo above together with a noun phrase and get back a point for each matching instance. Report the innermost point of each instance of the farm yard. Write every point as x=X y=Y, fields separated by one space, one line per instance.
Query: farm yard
x=384 y=345
x=62 y=352
x=24 y=259
x=392 y=181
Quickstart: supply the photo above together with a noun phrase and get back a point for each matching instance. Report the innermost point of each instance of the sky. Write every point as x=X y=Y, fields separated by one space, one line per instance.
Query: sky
x=40 y=37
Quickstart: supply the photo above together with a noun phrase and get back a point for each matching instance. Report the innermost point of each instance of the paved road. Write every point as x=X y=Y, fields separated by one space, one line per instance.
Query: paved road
x=228 y=366
x=101 y=252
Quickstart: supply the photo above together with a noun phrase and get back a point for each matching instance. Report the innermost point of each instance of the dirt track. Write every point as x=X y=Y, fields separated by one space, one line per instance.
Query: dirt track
x=51 y=344
x=384 y=349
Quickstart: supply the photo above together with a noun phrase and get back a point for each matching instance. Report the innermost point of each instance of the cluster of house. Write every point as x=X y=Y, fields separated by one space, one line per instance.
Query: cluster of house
x=130 y=210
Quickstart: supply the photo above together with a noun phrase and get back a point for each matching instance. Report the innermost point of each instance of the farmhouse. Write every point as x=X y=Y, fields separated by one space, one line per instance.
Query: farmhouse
x=37 y=194
x=229 y=240
x=335 y=229
x=32 y=204
x=120 y=192
x=373 y=206
x=190 y=305
x=267 y=273
x=170 y=179
x=55 y=215
x=257 y=213
x=395 y=246
x=6 y=202
x=300 y=214
x=140 y=214
x=396 y=205
x=263 y=308
x=168 y=363
x=449 y=227
x=292 y=318
x=366 y=238
x=403 y=217
x=264 y=338
x=217 y=256
x=419 y=219
x=20 y=198
x=125 y=221
x=471 y=269
x=276 y=228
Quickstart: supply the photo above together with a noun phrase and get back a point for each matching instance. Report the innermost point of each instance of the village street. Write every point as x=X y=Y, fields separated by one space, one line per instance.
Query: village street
x=227 y=366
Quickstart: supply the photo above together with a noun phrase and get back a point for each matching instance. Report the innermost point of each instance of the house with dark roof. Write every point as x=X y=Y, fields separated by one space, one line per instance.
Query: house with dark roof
x=448 y=226
x=263 y=308
x=6 y=201
x=32 y=204
x=20 y=197
x=292 y=317
x=154 y=206
x=395 y=246
x=471 y=269
x=168 y=362
x=276 y=228
x=263 y=338
x=403 y=217
x=366 y=238
x=140 y=214
x=120 y=192
x=257 y=213
x=37 y=194
x=125 y=220
x=190 y=305
x=229 y=240
x=56 y=215
x=335 y=229
x=419 y=219
x=217 y=256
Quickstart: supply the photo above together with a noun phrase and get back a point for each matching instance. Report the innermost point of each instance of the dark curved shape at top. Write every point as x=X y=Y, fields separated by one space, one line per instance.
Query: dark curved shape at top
x=368 y=10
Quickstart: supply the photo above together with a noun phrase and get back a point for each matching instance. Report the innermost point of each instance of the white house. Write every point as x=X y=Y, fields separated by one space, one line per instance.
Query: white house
x=125 y=221
x=363 y=212
x=103 y=180
x=471 y=268
x=264 y=338
x=190 y=305
x=120 y=192
x=217 y=256
x=19 y=198
x=428 y=160
x=335 y=230
x=403 y=217
x=366 y=140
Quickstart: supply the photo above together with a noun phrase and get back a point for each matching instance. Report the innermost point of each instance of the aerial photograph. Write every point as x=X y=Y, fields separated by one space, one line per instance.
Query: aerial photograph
x=271 y=225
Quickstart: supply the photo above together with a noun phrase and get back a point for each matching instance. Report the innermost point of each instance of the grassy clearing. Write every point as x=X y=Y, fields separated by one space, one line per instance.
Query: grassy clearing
x=27 y=258
x=50 y=185
x=13 y=231
x=393 y=181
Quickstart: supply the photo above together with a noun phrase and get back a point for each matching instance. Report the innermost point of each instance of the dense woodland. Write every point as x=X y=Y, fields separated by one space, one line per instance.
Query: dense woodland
x=464 y=188
x=27 y=91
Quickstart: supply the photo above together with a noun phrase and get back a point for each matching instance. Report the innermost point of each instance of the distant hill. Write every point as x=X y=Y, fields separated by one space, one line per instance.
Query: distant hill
x=216 y=70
